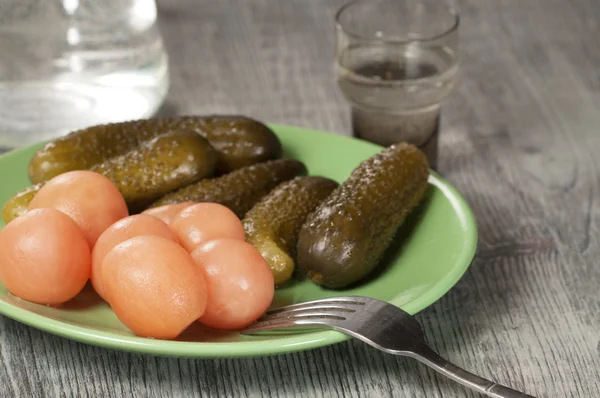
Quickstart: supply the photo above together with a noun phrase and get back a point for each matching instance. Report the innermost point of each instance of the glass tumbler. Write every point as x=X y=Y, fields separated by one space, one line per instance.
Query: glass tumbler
x=69 y=64
x=396 y=62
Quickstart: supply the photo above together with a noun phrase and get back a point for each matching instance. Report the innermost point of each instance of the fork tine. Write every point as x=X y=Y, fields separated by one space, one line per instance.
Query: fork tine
x=322 y=312
x=348 y=300
x=333 y=311
x=312 y=319
x=337 y=311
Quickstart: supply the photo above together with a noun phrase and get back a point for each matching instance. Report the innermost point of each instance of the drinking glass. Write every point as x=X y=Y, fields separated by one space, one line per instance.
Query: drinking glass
x=69 y=64
x=396 y=61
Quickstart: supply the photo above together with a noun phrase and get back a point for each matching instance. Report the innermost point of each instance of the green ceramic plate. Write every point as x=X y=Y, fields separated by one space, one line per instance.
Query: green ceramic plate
x=431 y=253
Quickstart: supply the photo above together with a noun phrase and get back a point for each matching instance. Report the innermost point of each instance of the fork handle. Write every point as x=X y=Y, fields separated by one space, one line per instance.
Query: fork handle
x=487 y=387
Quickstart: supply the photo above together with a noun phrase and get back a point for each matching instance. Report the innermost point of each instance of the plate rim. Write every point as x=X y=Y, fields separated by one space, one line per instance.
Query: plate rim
x=287 y=344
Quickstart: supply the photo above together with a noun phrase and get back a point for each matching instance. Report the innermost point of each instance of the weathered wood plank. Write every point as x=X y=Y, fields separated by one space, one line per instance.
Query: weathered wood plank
x=519 y=139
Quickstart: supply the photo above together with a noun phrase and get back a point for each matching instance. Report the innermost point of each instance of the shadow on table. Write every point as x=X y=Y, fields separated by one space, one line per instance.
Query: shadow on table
x=400 y=239
x=481 y=302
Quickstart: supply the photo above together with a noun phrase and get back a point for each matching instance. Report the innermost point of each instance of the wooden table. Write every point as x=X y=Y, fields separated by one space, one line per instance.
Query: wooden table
x=519 y=139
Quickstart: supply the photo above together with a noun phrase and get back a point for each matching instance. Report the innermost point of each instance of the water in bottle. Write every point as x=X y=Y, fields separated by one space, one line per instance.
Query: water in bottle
x=69 y=64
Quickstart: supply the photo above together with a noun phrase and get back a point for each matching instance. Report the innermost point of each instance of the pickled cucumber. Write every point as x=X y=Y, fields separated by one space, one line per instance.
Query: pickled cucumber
x=240 y=189
x=161 y=165
x=19 y=203
x=239 y=141
x=273 y=224
x=344 y=239
x=144 y=174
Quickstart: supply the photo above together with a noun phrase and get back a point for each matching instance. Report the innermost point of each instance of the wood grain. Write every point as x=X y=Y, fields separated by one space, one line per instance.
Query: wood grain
x=519 y=139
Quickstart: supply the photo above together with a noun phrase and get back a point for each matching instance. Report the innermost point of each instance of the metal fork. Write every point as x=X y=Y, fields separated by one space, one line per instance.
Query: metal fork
x=381 y=325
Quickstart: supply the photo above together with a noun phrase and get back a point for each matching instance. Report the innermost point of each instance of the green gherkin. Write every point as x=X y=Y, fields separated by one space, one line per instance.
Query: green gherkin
x=240 y=189
x=19 y=203
x=145 y=173
x=159 y=166
x=344 y=239
x=273 y=224
x=239 y=141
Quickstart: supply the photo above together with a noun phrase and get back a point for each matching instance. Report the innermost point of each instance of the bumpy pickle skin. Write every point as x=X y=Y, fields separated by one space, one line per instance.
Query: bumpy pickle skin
x=239 y=141
x=161 y=165
x=344 y=240
x=273 y=224
x=156 y=167
x=19 y=203
x=240 y=189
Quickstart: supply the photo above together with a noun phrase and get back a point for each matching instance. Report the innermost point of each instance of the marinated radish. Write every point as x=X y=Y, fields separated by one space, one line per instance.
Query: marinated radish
x=167 y=212
x=153 y=286
x=202 y=222
x=90 y=199
x=239 y=281
x=44 y=257
x=122 y=230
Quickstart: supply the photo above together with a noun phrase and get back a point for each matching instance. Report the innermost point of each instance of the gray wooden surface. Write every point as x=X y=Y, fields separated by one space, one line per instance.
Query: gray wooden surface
x=519 y=138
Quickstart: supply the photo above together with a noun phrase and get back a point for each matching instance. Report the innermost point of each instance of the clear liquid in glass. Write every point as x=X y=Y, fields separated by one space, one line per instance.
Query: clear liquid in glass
x=396 y=92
